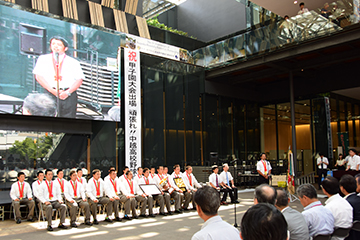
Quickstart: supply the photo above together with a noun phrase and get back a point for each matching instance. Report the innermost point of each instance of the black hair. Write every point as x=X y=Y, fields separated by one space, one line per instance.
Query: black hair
x=125 y=167
x=357 y=178
x=308 y=190
x=282 y=199
x=321 y=154
x=59 y=170
x=207 y=198
x=263 y=196
x=21 y=173
x=72 y=172
x=301 y=4
x=272 y=222
x=262 y=154
x=48 y=170
x=354 y=150
x=213 y=168
x=95 y=171
x=78 y=170
x=286 y=16
x=127 y=172
x=145 y=169
x=63 y=40
x=38 y=173
x=330 y=185
x=348 y=182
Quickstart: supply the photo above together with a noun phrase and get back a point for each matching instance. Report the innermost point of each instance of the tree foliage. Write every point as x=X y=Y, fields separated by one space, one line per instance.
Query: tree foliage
x=32 y=149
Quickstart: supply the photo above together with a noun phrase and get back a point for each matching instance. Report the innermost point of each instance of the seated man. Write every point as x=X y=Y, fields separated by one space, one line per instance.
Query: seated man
x=353 y=160
x=191 y=184
x=166 y=189
x=50 y=197
x=131 y=190
x=263 y=221
x=20 y=193
x=319 y=219
x=225 y=180
x=295 y=221
x=264 y=194
x=95 y=190
x=112 y=191
x=339 y=207
x=207 y=204
x=108 y=176
x=348 y=188
x=36 y=185
x=80 y=178
x=214 y=180
x=146 y=180
x=60 y=182
x=123 y=177
x=75 y=197
x=177 y=182
x=139 y=175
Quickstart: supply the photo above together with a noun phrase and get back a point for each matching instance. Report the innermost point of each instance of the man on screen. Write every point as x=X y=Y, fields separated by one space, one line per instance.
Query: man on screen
x=70 y=76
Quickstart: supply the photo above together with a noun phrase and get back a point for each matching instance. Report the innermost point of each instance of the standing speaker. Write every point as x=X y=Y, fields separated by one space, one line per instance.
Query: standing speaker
x=32 y=39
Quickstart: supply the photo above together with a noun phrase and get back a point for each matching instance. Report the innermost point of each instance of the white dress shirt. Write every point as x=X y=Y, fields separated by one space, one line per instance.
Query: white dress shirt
x=223 y=177
x=71 y=187
x=125 y=188
x=122 y=178
x=216 y=228
x=341 y=210
x=324 y=159
x=137 y=177
x=304 y=10
x=112 y=187
x=36 y=186
x=44 y=195
x=194 y=183
x=60 y=182
x=260 y=166
x=172 y=182
x=70 y=70
x=91 y=188
x=212 y=179
x=15 y=191
x=82 y=180
x=145 y=180
x=353 y=162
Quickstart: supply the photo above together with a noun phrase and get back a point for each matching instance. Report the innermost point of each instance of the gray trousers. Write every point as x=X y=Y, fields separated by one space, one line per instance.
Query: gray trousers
x=176 y=196
x=150 y=202
x=188 y=197
x=29 y=203
x=48 y=209
x=74 y=209
x=143 y=202
x=102 y=200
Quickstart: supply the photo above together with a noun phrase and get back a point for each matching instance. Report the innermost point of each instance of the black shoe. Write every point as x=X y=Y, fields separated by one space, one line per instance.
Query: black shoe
x=62 y=226
x=170 y=213
x=126 y=217
x=73 y=225
x=50 y=229
x=18 y=221
x=151 y=215
x=235 y=201
x=31 y=220
x=178 y=211
x=88 y=223
x=96 y=222
x=185 y=209
x=108 y=220
x=143 y=216
x=162 y=213
x=118 y=219
x=136 y=217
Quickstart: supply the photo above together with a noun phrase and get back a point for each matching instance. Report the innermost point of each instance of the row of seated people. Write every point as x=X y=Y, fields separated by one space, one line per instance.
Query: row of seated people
x=339 y=213
x=60 y=194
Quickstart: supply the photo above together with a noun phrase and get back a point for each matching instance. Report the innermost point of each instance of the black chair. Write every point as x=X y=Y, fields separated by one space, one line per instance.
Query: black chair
x=341 y=232
x=322 y=237
x=356 y=225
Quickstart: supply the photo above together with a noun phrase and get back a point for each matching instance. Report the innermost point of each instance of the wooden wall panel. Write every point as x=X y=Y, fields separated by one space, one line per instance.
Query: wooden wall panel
x=41 y=5
x=142 y=27
x=96 y=14
x=70 y=9
x=120 y=21
x=131 y=6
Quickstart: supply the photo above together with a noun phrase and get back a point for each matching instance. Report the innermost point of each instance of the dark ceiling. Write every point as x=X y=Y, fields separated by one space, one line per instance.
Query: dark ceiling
x=318 y=66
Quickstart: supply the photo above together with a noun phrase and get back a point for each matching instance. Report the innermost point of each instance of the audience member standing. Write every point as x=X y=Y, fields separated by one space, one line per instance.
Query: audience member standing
x=322 y=163
x=318 y=218
x=303 y=9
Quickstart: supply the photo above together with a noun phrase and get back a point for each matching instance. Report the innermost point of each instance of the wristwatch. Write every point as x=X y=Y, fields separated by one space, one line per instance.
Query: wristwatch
x=68 y=93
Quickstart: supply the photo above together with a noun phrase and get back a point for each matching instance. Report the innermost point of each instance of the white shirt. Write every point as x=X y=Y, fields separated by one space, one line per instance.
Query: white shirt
x=137 y=178
x=70 y=70
x=71 y=187
x=172 y=182
x=223 y=177
x=144 y=181
x=324 y=159
x=44 y=195
x=91 y=188
x=353 y=162
x=216 y=228
x=212 y=179
x=194 y=182
x=122 y=178
x=112 y=187
x=15 y=191
x=304 y=10
x=36 y=185
x=82 y=180
x=126 y=190
x=260 y=167
x=58 y=183
x=341 y=210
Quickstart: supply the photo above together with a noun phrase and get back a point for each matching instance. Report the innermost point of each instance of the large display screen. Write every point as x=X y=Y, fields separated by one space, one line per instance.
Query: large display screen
x=55 y=68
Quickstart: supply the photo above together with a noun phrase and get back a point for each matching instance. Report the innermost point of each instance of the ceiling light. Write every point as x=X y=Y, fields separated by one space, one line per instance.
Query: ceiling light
x=295 y=2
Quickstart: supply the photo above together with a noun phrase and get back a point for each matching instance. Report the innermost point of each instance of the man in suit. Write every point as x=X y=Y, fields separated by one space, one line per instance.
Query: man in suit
x=297 y=225
x=348 y=188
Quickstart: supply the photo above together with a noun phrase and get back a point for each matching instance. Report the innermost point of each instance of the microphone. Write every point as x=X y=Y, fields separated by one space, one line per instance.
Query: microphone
x=57 y=57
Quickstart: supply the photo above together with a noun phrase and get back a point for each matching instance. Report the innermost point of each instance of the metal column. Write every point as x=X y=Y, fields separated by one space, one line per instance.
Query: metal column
x=293 y=130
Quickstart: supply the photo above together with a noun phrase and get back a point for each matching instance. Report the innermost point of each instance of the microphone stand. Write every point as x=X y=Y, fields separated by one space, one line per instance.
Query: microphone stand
x=57 y=85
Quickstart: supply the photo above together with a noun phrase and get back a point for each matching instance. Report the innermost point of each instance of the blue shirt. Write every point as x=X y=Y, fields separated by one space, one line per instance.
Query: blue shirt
x=319 y=219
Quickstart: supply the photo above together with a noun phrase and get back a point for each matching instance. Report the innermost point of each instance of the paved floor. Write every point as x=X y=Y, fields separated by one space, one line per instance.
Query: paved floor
x=181 y=226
